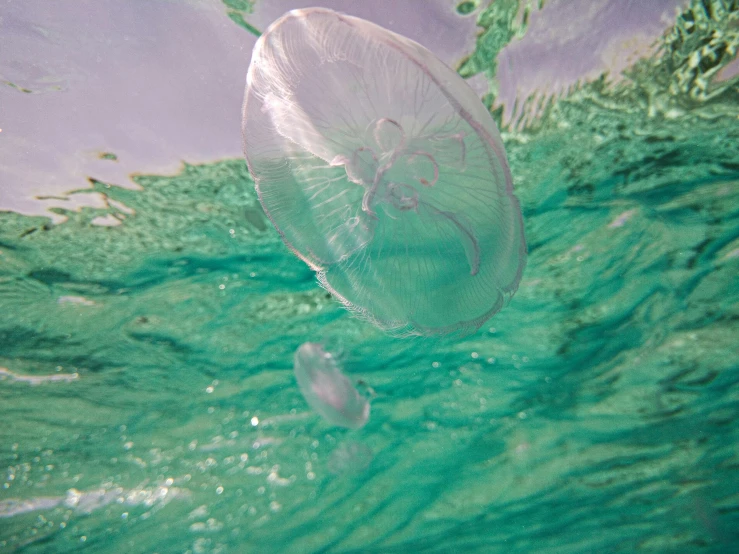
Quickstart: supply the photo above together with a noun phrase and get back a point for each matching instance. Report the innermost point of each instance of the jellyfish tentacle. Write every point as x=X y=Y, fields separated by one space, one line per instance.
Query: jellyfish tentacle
x=403 y=201
x=358 y=168
x=369 y=195
x=381 y=139
x=384 y=125
x=434 y=164
x=469 y=240
x=351 y=236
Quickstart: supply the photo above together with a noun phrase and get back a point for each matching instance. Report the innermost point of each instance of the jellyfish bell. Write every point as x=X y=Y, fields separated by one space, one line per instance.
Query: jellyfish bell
x=350 y=457
x=327 y=390
x=382 y=170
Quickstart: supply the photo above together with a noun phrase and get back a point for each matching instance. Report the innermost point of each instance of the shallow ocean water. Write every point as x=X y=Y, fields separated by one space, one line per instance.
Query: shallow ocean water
x=147 y=391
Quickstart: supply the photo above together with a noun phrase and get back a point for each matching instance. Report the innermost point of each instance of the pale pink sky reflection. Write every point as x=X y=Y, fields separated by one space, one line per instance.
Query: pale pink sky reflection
x=153 y=81
x=158 y=82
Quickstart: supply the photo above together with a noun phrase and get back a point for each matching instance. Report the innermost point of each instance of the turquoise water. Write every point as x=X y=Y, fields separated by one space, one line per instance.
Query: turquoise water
x=149 y=403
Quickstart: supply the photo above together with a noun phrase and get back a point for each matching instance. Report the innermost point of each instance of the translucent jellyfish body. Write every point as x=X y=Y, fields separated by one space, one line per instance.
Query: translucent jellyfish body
x=327 y=390
x=383 y=171
x=349 y=457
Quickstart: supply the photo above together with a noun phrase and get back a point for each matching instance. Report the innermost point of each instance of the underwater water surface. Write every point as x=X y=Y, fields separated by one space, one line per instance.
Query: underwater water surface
x=147 y=343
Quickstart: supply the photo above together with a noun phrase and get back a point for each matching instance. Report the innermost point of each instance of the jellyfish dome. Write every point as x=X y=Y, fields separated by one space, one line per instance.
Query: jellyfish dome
x=382 y=170
x=327 y=390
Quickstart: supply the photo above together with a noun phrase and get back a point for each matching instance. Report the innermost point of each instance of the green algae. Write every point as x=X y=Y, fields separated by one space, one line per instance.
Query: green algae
x=237 y=12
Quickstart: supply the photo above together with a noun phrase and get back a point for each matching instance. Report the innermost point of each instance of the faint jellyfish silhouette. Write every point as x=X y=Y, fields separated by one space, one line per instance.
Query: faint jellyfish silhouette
x=349 y=457
x=327 y=390
x=383 y=171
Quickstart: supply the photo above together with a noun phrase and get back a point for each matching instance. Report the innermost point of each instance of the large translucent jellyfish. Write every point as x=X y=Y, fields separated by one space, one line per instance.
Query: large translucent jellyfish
x=383 y=171
x=327 y=390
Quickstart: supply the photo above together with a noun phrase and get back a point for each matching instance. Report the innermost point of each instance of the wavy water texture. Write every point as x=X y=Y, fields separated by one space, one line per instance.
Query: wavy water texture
x=597 y=413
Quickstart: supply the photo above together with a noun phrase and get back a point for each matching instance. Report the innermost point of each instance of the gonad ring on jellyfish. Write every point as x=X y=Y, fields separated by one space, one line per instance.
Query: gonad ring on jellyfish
x=383 y=171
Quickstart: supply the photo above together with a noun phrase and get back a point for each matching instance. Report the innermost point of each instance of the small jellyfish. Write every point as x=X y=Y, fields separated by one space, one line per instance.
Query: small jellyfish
x=349 y=457
x=383 y=171
x=327 y=390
